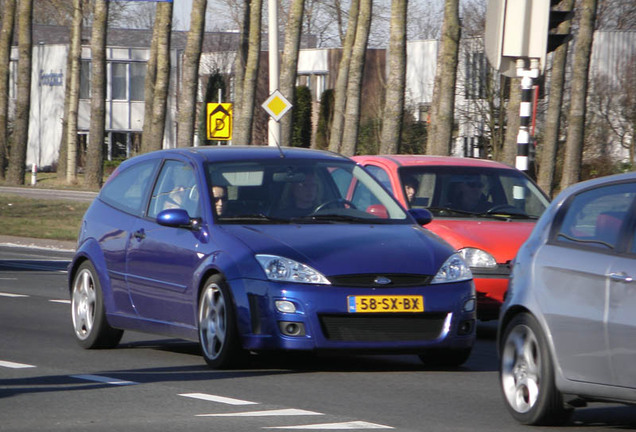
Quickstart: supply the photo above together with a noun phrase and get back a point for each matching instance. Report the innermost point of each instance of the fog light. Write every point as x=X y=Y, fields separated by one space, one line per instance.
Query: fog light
x=290 y=328
x=285 y=306
x=466 y=327
x=469 y=306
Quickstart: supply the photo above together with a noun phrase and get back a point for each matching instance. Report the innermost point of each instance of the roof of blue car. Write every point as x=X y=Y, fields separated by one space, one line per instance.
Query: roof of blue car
x=225 y=153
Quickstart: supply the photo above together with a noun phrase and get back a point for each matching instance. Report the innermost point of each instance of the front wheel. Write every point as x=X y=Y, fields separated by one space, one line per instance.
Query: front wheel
x=88 y=312
x=218 y=334
x=526 y=373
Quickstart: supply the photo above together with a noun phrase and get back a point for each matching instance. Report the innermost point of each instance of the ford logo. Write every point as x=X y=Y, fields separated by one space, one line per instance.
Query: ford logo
x=382 y=280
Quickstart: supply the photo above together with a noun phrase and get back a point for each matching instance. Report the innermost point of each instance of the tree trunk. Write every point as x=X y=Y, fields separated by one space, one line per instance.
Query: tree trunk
x=576 y=119
x=244 y=128
x=354 y=85
x=190 y=77
x=442 y=116
x=240 y=63
x=94 y=170
x=548 y=155
x=149 y=89
x=513 y=121
x=394 y=101
x=289 y=65
x=162 y=80
x=6 y=34
x=340 y=89
x=20 y=137
x=72 y=93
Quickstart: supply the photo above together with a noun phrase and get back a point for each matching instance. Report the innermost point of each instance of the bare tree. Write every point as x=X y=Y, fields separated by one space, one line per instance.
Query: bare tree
x=239 y=65
x=190 y=77
x=513 y=121
x=289 y=64
x=340 y=89
x=354 y=85
x=394 y=101
x=548 y=153
x=576 y=118
x=441 y=124
x=243 y=130
x=20 y=136
x=72 y=92
x=157 y=100
x=94 y=154
x=6 y=34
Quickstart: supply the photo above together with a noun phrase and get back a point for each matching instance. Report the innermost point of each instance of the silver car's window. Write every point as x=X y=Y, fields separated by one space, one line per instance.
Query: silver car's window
x=595 y=217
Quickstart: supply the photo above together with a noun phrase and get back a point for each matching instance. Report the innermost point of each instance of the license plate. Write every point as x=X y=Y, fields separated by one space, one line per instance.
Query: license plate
x=398 y=303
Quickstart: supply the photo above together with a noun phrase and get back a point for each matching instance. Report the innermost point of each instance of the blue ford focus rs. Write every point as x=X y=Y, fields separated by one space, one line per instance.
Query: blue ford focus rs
x=250 y=249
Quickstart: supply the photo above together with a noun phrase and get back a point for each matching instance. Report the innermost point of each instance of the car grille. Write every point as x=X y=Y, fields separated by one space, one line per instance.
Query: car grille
x=372 y=280
x=383 y=328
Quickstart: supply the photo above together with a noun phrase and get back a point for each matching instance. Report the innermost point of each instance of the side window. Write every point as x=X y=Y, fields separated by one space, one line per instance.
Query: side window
x=176 y=188
x=380 y=175
x=128 y=188
x=595 y=217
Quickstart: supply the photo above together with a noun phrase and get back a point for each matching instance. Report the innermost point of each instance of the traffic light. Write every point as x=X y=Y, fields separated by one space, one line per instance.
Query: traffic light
x=559 y=24
x=523 y=29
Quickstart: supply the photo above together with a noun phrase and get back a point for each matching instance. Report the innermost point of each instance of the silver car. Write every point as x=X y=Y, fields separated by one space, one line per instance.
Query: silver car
x=567 y=329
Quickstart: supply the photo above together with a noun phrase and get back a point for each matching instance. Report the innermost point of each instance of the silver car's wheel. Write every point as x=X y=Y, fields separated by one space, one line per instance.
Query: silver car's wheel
x=87 y=311
x=527 y=374
x=217 y=325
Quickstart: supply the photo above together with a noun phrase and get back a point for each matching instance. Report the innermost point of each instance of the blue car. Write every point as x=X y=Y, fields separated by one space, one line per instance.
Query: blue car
x=251 y=249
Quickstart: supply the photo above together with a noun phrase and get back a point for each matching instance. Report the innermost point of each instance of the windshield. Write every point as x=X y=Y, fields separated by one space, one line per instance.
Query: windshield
x=299 y=191
x=451 y=191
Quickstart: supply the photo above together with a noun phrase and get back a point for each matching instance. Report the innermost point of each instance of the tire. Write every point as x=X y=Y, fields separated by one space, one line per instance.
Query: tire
x=526 y=374
x=218 y=334
x=446 y=357
x=87 y=311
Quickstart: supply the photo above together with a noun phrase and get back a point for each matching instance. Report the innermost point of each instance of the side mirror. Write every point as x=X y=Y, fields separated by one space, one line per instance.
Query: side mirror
x=177 y=218
x=378 y=210
x=421 y=216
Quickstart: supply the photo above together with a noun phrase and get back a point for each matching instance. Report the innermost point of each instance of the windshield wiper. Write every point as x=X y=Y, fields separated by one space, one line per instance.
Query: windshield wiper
x=451 y=210
x=332 y=218
x=253 y=218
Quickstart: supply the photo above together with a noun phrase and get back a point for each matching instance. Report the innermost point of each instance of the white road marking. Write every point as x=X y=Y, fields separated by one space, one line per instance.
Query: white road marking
x=276 y=412
x=60 y=301
x=13 y=365
x=219 y=399
x=3 y=294
x=103 y=379
x=335 y=426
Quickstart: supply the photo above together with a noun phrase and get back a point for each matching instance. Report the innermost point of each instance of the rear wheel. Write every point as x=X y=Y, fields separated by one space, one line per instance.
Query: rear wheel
x=526 y=373
x=87 y=310
x=445 y=357
x=218 y=335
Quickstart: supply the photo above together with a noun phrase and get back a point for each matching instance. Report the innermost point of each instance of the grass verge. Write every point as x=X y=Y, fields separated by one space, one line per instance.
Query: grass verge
x=37 y=218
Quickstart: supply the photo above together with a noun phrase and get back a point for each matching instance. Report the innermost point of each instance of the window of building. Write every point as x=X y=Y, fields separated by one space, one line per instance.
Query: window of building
x=85 y=79
x=476 y=75
x=137 y=81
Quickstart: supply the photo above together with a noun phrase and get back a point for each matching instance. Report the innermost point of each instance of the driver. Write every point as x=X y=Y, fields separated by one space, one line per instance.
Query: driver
x=303 y=196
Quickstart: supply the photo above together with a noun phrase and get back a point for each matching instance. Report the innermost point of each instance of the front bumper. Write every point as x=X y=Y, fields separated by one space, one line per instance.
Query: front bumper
x=321 y=320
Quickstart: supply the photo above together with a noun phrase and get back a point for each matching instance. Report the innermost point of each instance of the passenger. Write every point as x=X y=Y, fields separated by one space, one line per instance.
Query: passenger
x=410 y=188
x=219 y=197
x=468 y=195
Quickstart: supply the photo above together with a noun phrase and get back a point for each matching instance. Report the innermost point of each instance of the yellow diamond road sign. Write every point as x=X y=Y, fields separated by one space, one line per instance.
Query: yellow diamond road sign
x=276 y=105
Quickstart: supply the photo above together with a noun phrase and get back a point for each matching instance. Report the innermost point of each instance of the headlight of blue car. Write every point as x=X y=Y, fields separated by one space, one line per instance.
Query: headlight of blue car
x=282 y=269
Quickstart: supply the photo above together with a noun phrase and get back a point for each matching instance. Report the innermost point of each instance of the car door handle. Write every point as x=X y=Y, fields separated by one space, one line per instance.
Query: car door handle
x=139 y=235
x=620 y=277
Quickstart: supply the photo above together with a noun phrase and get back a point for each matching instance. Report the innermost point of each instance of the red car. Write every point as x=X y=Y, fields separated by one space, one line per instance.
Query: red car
x=484 y=209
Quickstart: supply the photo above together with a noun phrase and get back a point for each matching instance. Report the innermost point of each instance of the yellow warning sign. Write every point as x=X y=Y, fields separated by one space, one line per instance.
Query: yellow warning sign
x=219 y=121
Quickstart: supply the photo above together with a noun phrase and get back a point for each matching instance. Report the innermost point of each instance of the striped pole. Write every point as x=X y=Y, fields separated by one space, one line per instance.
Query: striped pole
x=525 y=116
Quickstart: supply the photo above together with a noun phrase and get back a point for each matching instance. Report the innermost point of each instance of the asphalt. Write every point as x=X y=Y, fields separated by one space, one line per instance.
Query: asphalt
x=64 y=245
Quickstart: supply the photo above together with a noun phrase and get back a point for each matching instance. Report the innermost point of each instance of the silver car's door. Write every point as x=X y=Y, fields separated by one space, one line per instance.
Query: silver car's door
x=622 y=310
x=575 y=267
